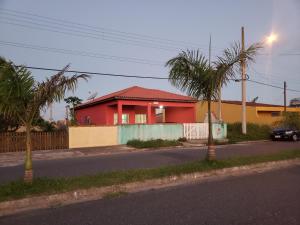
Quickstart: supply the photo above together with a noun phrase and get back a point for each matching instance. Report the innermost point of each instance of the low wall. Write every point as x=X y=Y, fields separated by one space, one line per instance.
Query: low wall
x=80 y=137
x=94 y=136
x=147 y=132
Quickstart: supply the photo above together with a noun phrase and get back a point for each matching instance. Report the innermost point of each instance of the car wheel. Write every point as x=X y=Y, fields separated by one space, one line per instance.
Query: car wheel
x=294 y=137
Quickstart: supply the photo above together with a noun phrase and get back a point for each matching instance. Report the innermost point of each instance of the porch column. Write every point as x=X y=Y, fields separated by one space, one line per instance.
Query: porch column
x=119 y=113
x=149 y=114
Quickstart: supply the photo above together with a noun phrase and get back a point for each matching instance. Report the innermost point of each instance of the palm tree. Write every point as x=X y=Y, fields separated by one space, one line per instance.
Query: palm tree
x=22 y=97
x=191 y=72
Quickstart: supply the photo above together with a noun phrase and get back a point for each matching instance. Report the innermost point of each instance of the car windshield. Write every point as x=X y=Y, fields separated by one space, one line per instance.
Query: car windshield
x=282 y=129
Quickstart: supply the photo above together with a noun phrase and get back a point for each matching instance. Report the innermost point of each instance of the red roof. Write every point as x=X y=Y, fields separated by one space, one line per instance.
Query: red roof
x=250 y=103
x=140 y=93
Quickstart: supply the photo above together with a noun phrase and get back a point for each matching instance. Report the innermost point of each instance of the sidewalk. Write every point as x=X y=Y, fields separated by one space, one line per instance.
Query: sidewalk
x=17 y=158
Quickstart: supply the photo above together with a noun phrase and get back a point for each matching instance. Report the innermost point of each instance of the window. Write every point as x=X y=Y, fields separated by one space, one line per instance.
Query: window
x=275 y=114
x=140 y=118
x=87 y=120
x=125 y=118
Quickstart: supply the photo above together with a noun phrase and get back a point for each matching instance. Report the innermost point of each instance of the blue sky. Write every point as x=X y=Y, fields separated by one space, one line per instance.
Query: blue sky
x=189 y=23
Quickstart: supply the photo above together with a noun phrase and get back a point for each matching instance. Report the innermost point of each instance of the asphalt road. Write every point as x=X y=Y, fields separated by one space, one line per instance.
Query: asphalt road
x=90 y=165
x=270 y=198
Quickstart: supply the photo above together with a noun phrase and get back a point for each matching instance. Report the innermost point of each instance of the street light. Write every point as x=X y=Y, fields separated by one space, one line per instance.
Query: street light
x=271 y=38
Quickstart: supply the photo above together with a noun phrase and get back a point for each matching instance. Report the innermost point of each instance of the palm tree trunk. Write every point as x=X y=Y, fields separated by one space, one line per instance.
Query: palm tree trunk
x=28 y=160
x=211 y=153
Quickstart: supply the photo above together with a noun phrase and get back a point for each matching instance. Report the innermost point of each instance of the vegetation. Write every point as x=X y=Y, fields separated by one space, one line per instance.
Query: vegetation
x=44 y=125
x=72 y=101
x=191 y=72
x=8 y=124
x=22 y=97
x=20 y=189
x=290 y=120
x=155 y=143
x=254 y=132
x=182 y=139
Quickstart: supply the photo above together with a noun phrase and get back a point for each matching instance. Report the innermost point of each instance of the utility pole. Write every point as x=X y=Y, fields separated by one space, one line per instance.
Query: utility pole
x=244 y=123
x=284 y=93
x=209 y=50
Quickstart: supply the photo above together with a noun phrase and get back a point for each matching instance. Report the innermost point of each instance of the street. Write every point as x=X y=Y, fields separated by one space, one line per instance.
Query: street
x=270 y=198
x=70 y=167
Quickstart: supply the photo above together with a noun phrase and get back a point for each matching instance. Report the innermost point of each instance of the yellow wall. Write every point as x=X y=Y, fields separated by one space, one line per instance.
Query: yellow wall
x=92 y=136
x=232 y=113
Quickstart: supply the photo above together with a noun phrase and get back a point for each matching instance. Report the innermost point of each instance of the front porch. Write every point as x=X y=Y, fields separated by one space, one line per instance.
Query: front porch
x=148 y=112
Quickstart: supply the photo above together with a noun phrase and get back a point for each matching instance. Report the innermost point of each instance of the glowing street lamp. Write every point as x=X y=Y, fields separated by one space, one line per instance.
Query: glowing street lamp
x=271 y=38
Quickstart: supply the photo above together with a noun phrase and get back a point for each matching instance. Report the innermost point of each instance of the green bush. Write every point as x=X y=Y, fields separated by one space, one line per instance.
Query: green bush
x=154 y=143
x=290 y=120
x=254 y=132
x=182 y=139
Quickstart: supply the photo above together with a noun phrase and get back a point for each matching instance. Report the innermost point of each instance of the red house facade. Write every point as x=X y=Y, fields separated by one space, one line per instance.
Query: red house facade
x=137 y=105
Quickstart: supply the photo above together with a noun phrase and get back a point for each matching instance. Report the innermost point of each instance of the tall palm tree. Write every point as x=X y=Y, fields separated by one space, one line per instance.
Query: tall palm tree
x=191 y=72
x=23 y=97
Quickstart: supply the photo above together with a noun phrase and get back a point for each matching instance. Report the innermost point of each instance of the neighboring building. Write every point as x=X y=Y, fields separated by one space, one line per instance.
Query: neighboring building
x=295 y=102
x=258 y=113
x=137 y=105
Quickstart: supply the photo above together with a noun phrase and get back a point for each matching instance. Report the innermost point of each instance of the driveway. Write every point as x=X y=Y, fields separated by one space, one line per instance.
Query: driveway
x=70 y=167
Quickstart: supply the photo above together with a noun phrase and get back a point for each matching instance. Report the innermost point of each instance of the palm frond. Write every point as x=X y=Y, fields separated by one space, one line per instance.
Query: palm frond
x=229 y=64
x=53 y=89
x=188 y=72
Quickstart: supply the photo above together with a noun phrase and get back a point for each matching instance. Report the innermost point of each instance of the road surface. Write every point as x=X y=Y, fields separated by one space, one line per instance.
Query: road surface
x=270 y=198
x=70 y=167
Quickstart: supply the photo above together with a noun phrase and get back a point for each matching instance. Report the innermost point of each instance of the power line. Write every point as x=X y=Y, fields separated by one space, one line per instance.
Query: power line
x=98 y=37
x=93 y=28
x=82 y=53
x=80 y=30
x=96 y=73
x=268 y=76
x=141 y=77
x=271 y=85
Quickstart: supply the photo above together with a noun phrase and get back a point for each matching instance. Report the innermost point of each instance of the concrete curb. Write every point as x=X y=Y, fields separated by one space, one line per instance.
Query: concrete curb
x=56 y=200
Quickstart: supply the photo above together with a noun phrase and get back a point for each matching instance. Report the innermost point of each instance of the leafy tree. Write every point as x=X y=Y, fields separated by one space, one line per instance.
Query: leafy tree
x=44 y=124
x=8 y=124
x=23 y=97
x=191 y=72
x=72 y=101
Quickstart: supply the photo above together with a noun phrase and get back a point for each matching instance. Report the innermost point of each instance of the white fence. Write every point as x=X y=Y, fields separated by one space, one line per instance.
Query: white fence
x=200 y=131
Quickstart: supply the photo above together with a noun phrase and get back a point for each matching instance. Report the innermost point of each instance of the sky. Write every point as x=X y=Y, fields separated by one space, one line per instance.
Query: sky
x=137 y=37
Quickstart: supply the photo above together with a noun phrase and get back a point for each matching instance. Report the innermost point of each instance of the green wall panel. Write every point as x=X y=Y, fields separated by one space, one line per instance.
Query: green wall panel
x=147 y=132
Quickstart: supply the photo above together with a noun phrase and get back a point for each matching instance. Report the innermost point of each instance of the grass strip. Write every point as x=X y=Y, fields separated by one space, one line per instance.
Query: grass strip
x=18 y=189
x=154 y=143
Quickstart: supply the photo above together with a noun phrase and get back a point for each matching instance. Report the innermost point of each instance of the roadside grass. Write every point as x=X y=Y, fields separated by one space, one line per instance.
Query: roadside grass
x=19 y=189
x=154 y=143
x=254 y=132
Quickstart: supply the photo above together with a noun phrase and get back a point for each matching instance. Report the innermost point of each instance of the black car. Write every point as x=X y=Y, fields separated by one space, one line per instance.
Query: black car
x=285 y=134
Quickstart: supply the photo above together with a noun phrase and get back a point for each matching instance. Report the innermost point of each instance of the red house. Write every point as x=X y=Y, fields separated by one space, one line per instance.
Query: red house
x=137 y=105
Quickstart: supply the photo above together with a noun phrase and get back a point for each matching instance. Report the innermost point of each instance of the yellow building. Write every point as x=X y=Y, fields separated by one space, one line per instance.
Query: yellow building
x=231 y=112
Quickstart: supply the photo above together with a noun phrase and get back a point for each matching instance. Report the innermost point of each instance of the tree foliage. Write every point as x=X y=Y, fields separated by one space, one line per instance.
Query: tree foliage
x=290 y=120
x=22 y=97
x=192 y=73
